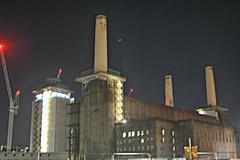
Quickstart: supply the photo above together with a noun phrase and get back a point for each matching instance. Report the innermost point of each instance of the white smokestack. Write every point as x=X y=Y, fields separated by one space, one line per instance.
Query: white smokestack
x=210 y=86
x=168 y=91
x=100 y=62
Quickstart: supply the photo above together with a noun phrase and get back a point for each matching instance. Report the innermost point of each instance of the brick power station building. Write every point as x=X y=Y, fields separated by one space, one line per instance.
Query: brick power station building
x=112 y=123
x=105 y=124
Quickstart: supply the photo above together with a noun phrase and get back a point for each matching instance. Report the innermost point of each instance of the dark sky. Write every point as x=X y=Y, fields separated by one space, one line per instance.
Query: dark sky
x=158 y=37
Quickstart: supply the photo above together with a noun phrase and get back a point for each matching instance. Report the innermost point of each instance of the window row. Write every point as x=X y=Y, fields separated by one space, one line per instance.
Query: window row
x=172 y=132
x=135 y=133
x=163 y=140
x=135 y=148
x=135 y=140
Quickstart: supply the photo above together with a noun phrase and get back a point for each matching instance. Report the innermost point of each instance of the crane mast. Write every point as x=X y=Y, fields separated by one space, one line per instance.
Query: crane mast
x=13 y=104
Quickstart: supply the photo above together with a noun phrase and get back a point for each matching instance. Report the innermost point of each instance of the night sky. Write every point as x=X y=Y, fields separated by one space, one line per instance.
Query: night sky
x=147 y=39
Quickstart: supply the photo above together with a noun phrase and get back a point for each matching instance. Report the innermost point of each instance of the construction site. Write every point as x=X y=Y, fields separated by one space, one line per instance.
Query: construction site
x=105 y=123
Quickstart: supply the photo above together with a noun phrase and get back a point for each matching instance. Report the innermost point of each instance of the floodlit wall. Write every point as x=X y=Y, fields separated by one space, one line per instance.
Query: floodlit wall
x=97 y=119
x=49 y=129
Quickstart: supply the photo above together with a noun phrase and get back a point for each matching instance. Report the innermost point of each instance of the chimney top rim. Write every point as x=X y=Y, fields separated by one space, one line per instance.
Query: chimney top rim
x=209 y=67
x=101 y=16
x=168 y=75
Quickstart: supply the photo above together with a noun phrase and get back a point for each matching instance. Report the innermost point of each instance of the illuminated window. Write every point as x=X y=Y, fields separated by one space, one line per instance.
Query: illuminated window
x=173 y=133
x=138 y=133
x=174 y=148
x=173 y=140
x=71 y=131
x=147 y=132
x=142 y=140
x=163 y=132
x=124 y=134
x=163 y=139
x=129 y=134
x=133 y=133
x=142 y=132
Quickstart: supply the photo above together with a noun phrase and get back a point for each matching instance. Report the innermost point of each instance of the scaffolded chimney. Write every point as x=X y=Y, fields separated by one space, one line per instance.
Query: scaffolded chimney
x=210 y=86
x=100 y=62
x=168 y=91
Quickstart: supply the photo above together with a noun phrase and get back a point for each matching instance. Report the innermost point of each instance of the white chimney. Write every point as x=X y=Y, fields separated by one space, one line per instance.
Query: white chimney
x=168 y=91
x=100 y=61
x=210 y=86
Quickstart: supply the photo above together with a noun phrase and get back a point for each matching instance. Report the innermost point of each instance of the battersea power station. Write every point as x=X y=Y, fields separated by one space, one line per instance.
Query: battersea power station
x=106 y=124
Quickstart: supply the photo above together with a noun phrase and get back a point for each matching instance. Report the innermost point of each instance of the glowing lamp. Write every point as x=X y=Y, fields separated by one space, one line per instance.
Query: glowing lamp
x=60 y=70
x=124 y=121
x=18 y=92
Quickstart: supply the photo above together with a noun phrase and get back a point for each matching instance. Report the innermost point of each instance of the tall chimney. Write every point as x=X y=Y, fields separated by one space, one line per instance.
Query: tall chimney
x=210 y=86
x=168 y=91
x=100 y=61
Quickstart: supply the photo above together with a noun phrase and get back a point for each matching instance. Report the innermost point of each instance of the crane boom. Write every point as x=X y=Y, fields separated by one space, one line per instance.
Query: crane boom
x=5 y=72
x=13 y=104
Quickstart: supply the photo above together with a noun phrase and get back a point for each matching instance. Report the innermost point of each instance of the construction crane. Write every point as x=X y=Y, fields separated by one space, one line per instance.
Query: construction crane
x=13 y=103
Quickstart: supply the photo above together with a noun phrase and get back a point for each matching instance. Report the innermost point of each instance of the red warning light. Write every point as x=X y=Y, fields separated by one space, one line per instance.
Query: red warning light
x=60 y=70
x=130 y=91
x=2 y=46
x=18 y=92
